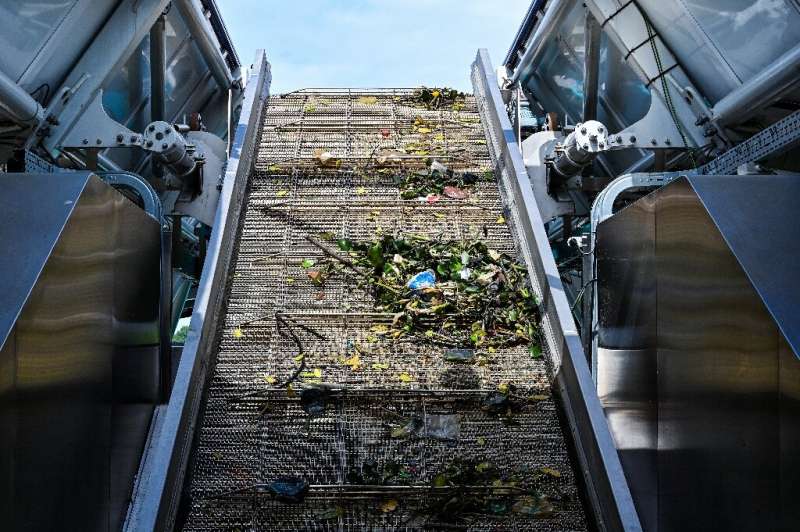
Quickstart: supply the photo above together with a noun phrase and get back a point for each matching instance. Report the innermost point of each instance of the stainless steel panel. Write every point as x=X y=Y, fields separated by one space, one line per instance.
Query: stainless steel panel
x=81 y=359
x=707 y=365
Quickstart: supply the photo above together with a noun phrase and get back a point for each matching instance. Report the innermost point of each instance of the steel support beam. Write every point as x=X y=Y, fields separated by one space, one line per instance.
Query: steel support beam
x=207 y=42
x=591 y=67
x=551 y=20
x=20 y=106
x=760 y=91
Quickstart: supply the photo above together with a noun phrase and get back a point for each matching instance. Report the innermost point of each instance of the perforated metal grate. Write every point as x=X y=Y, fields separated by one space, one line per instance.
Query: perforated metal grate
x=254 y=431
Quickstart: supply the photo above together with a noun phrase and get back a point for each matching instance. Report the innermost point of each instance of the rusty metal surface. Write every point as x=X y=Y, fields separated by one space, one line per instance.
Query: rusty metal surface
x=254 y=432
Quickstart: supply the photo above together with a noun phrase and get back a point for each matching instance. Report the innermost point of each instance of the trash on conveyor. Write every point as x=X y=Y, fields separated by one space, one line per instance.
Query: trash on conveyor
x=288 y=489
x=453 y=293
x=459 y=355
x=438 y=98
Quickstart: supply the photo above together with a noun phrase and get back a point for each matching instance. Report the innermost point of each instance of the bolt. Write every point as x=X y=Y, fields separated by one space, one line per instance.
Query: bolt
x=585 y=146
x=164 y=146
x=654 y=141
x=619 y=138
x=151 y=128
x=167 y=131
x=583 y=130
x=133 y=139
x=633 y=139
x=601 y=145
x=159 y=136
x=667 y=141
x=99 y=142
x=600 y=129
x=86 y=141
x=149 y=143
x=120 y=138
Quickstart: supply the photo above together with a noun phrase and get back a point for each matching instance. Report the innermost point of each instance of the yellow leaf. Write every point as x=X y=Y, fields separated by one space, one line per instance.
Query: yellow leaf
x=481 y=440
x=439 y=216
x=491 y=350
x=405 y=377
x=550 y=471
x=368 y=100
x=389 y=506
x=274 y=168
x=361 y=190
x=237 y=332
x=270 y=379
x=436 y=93
x=316 y=373
x=379 y=329
x=501 y=219
x=377 y=366
x=354 y=362
x=424 y=130
x=290 y=280
x=290 y=391
x=439 y=137
x=503 y=387
x=282 y=193
x=299 y=358
x=483 y=466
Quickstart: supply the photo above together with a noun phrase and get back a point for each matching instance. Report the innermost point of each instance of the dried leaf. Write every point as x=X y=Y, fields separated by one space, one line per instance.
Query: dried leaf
x=367 y=100
x=378 y=366
x=282 y=193
x=274 y=168
x=361 y=191
x=354 y=362
x=389 y=506
x=316 y=373
x=290 y=280
x=483 y=466
x=270 y=379
x=424 y=130
x=405 y=377
x=299 y=358
x=237 y=332
x=480 y=440
x=550 y=471
x=501 y=219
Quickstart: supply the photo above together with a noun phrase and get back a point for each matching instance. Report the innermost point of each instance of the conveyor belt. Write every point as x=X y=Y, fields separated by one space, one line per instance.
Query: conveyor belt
x=254 y=432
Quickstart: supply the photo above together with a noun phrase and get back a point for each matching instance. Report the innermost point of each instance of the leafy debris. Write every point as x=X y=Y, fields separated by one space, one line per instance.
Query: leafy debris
x=438 y=98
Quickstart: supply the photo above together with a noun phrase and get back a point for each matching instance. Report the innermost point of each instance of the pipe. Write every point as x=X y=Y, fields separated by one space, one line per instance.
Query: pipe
x=206 y=39
x=764 y=88
x=547 y=26
x=20 y=106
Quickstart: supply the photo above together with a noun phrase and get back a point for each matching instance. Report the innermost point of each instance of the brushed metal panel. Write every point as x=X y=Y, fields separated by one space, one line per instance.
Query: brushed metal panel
x=717 y=379
x=723 y=386
x=82 y=359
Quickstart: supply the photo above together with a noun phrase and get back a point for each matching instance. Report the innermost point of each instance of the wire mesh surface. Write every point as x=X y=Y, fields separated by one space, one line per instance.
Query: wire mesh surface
x=254 y=429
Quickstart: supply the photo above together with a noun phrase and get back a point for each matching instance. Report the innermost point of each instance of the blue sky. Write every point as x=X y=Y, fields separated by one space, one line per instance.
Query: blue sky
x=371 y=43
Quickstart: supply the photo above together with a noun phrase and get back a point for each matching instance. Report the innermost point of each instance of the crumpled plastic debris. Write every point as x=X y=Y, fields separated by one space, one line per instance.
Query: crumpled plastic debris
x=426 y=279
x=313 y=401
x=459 y=355
x=289 y=489
x=443 y=426
x=496 y=403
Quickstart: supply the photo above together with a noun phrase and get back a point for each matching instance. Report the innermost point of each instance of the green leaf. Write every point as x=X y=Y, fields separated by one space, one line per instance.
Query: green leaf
x=535 y=351
x=345 y=244
x=375 y=256
x=307 y=263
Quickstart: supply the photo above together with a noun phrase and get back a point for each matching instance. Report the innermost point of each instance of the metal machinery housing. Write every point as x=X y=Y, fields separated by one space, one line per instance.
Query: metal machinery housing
x=645 y=162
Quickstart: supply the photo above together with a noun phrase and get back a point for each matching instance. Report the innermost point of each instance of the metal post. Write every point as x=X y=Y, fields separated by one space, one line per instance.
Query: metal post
x=158 y=68
x=591 y=67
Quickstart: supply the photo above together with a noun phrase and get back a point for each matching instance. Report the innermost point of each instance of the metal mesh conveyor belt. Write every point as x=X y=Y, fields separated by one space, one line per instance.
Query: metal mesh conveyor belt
x=253 y=433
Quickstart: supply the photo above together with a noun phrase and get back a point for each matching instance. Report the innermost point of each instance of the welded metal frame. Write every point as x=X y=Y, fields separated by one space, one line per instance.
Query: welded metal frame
x=159 y=484
x=607 y=489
